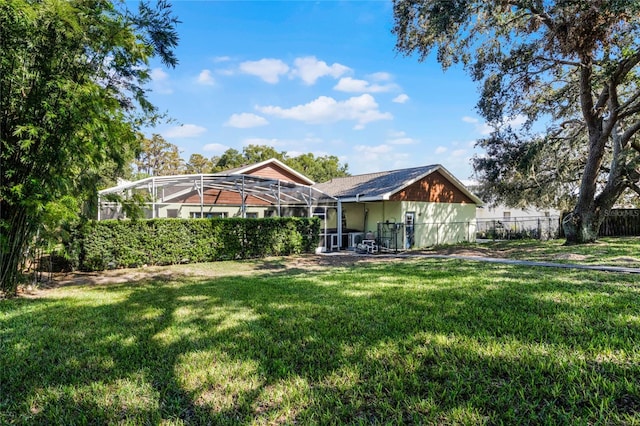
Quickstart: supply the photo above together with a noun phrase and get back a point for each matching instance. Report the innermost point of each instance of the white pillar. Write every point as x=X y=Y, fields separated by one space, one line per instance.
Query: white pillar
x=339 y=222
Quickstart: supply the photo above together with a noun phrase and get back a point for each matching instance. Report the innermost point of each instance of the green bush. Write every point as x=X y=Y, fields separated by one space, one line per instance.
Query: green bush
x=124 y=243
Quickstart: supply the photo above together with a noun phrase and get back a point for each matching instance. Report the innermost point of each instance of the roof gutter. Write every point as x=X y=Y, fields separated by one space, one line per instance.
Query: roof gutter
x=359 y=199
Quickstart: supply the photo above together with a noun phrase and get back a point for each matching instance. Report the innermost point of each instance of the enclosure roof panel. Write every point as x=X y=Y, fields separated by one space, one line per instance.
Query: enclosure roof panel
x=272 y=190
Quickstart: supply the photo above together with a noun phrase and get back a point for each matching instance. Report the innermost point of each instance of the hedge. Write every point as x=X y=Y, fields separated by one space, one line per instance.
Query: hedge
x=126 y=243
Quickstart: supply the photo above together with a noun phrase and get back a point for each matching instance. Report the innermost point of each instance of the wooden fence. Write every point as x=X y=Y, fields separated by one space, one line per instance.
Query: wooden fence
x=621 y=223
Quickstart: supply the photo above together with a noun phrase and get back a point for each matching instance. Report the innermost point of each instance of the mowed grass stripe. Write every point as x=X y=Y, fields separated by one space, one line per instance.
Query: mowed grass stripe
x=421 y=341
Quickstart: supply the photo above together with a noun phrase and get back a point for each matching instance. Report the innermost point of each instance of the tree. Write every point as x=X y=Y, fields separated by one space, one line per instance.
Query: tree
x=571 y=64
x=158 y=157
x=251 y=154
x=319 y=169
x=229 y=159
x=72 y=99
x=198 y=163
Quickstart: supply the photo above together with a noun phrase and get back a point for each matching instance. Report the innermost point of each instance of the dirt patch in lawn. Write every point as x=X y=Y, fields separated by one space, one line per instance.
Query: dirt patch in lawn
x=571 y=256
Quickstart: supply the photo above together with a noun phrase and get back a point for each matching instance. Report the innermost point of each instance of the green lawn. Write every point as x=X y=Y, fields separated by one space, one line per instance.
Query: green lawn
x=618 y=251
x=422 y=341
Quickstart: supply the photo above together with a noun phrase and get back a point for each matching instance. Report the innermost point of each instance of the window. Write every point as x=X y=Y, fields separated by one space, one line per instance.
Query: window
x=172 y=213
x=218 y=215
x=208 y=215
x=506 y=215
x=251 y=215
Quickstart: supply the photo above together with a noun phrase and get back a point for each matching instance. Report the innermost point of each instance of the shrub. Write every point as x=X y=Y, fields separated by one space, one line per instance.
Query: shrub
x=124 y=243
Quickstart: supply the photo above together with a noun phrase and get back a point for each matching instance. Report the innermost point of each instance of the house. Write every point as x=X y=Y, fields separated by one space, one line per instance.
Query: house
x=398 y=209
x=407 y=208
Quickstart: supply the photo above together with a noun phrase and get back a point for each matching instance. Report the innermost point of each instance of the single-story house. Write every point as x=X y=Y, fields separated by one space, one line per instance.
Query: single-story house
x=407 y=208
x=399 y=209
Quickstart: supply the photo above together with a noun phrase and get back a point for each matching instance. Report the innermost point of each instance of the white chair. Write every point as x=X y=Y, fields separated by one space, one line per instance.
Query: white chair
x=368 y=246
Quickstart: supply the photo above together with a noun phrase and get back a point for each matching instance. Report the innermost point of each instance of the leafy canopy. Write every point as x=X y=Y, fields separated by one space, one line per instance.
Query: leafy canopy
x=567 y=69
x=72 y=98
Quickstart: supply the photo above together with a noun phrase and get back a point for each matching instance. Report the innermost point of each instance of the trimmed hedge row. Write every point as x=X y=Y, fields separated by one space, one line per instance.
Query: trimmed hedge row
x=125 y=243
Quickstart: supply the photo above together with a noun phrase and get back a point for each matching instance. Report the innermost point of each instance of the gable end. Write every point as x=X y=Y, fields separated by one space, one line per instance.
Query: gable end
x=434 y=188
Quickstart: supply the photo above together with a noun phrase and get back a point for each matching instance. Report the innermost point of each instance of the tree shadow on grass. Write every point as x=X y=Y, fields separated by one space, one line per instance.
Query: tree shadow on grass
x=415 y=342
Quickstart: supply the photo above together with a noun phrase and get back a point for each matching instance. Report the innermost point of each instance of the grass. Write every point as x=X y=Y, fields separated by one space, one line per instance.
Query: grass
x=618 y=251
x=415 y=342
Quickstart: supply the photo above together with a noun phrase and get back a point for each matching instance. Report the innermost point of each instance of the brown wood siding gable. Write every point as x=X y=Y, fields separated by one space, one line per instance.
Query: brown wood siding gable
x=273 y=171
x=434 y=188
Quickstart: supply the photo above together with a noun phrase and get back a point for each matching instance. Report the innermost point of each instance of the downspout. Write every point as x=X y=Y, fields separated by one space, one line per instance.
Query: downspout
x=99 y=206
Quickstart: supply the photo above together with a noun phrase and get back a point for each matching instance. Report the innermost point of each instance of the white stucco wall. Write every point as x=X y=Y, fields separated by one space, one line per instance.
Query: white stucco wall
x=435 y=223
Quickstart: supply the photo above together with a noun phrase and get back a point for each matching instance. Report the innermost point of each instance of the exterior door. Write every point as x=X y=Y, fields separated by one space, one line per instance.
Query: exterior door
x=409 y=218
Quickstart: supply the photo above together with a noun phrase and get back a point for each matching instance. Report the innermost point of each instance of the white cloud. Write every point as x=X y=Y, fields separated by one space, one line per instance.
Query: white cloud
x=480 y=127
x=160 y=81
x=352 y=85
x=458 y=153
x=516 y=121
x=310 y=69
x=396 y=134
x=216 y=148
x=158 y=74
x=372 y=153
x=361 y=109
x=380 y=76
x=441 y=150
x=400 y=138
x=184 y=131
x=400 y=99
x=246 y=120
x=379 y=149
x=222 y=59
x=205 y=78
x=268 y=70
x=486 y=129
x=402 y=141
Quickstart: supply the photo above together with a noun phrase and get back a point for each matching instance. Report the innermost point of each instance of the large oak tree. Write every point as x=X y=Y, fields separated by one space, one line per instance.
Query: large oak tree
x=72 y=100
x=571 y=64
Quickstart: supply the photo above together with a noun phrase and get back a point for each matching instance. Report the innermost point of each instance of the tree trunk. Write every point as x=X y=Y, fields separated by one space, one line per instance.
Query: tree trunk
x=583 y=224
x=16 y=233
x=581 y=227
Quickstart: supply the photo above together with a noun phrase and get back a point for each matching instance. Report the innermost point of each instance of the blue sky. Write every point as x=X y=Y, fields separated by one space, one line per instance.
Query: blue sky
x=320 y=77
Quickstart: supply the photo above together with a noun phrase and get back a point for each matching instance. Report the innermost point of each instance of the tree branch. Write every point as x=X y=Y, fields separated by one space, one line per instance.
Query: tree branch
x=626 y=136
